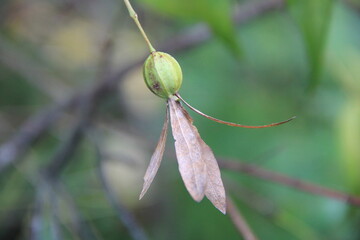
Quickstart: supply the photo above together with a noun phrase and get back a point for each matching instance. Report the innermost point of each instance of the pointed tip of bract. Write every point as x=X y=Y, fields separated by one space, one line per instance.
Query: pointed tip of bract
x=221 y=206
x=197 y=193
x=143 y=191
x=218 y=200
x=222 y=209
x=197 y=197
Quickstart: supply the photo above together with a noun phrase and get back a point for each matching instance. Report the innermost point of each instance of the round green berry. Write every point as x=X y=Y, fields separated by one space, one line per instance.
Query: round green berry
x=162 y=74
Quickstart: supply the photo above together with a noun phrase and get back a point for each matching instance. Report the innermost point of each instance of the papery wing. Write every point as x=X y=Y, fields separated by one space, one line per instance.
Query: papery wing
x=215 y=190
x=189 y=151
x=156 y=157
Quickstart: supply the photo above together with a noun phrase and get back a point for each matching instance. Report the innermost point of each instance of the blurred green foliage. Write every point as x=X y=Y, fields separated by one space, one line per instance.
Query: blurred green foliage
x=217 y=14
x=314 y=18
x=283 y=52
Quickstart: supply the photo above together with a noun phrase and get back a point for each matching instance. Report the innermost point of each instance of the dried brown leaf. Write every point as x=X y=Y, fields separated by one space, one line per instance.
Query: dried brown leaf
x=189 y=151
x=215 y=190
x=156 y=157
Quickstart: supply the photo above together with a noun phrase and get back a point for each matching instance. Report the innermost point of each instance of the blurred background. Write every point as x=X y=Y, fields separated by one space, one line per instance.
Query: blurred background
x=78 y=125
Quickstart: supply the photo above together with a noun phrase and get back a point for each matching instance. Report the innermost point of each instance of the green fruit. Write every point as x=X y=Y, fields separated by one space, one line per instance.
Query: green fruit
x=162 y=74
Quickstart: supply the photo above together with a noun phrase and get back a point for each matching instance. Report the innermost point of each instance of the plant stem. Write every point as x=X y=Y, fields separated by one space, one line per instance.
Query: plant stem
x=231 y=123
x=239 y=221
x=304 y=186
x=134 y=16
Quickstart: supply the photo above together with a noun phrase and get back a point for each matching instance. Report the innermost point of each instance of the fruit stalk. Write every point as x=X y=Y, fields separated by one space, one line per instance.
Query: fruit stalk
x=134 y=16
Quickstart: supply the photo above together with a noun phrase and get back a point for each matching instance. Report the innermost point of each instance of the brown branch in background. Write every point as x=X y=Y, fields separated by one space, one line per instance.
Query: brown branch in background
x=46 y=215
x=280 y=217
x=64 y=153
x=29 y=132
x=105 y=63
x=86 y=108
x=38 y=124
x=252 y=199
x=239 y=221
x=190 y=38
x=261 y=173
x=75 y=218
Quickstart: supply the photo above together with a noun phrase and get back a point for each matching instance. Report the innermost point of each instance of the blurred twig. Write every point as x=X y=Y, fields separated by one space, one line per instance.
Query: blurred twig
x=87 y=107
x=64 y=153
x=105 y=63
x=239 y=221
x=125 y=216
x=44 y=220
x=47 y=220
x=268 y=209
x=37 y=74
x=29 y=132
x=76 y=219
x=261 y=173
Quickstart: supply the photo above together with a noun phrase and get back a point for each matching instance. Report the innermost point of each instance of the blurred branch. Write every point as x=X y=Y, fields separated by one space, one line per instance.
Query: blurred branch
x=37 y=74
x=261 y=173
x=64 y=153
x=239 y=221
x=29 y=132
x=44 y=222
x=268 y=209
x=87 y=107
x=20 y=142
x=125 y=216
x=108 y=44
x=54 y=209
x=76 y=219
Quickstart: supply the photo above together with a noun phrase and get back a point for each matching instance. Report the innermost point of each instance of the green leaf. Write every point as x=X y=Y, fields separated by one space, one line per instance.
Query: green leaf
x=217 y=14
x=313 y=17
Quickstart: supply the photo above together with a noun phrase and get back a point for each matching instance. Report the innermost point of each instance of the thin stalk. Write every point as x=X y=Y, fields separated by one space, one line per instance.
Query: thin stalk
x=134 y=16
x=231 y=123
x=304 y=186
x=239 y=221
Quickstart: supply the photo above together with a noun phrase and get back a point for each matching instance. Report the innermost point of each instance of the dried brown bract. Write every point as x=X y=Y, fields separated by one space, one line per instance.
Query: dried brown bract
x=197 y=164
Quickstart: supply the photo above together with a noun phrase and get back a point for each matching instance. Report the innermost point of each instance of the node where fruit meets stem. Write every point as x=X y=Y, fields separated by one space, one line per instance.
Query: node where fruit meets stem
x=134 y=16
